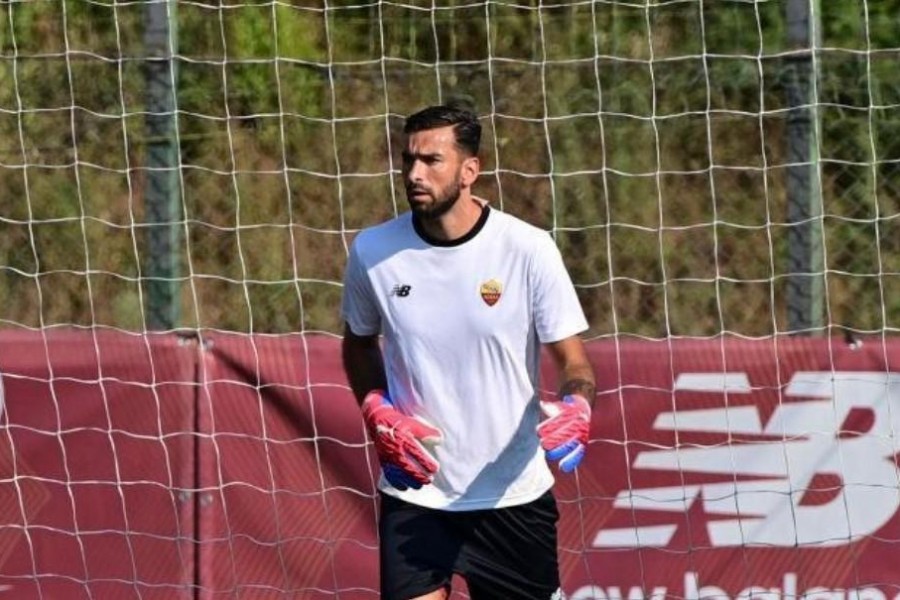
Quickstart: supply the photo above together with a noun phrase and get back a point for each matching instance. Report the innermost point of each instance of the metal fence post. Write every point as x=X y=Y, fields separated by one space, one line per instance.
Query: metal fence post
x=162 y=197
x=805 y=283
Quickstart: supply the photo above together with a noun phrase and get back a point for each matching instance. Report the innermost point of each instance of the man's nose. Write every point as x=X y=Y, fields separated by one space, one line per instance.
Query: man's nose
x=414 y=171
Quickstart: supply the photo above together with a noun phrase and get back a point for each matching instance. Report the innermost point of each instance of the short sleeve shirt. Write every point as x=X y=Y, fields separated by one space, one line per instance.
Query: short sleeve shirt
x=462 y=327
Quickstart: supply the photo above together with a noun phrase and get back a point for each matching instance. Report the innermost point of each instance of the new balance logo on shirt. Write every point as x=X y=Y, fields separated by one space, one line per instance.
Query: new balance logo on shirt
x=401 y=290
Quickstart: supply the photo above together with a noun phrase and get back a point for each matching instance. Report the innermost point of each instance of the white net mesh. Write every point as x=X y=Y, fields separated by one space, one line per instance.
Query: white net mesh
x=710 y=170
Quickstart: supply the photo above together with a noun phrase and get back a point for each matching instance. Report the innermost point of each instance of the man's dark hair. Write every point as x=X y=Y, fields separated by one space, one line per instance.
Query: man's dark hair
x=466 y=127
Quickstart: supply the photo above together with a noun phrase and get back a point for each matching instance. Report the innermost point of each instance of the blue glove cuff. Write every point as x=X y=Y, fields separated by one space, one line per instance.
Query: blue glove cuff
x=398 y=478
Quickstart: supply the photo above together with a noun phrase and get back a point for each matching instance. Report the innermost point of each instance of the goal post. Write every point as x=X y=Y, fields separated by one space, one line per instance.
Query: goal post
x=180 y=182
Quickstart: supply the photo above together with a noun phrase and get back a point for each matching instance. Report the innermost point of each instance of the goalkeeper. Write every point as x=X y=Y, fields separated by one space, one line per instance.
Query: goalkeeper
x=465 y=296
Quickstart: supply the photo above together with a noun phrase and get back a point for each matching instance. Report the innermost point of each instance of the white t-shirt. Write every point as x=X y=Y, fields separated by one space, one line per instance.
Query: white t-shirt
x=462 y=325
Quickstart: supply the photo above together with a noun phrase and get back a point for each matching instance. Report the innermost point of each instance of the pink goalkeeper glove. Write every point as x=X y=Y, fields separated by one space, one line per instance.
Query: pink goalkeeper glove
x=564 y=433
x=400 y=442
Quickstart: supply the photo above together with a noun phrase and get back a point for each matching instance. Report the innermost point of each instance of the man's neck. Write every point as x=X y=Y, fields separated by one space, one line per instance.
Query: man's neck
x=457 y=222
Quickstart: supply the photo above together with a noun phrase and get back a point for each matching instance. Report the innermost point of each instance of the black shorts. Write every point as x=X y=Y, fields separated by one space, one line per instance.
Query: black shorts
x=507 y=553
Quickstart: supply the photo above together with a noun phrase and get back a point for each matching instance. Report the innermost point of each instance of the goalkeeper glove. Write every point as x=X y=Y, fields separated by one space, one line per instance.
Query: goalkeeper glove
x=400 y=442
x=564 y=433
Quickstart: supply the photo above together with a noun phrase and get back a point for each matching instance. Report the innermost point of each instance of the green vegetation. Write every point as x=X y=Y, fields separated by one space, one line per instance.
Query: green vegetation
x=649 y=138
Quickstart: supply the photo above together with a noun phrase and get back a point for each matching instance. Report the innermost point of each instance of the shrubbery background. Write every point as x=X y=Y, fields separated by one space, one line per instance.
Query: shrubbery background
x=650 y=139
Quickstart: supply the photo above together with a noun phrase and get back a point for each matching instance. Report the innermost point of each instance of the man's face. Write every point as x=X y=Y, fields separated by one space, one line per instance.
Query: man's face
x=432 y=171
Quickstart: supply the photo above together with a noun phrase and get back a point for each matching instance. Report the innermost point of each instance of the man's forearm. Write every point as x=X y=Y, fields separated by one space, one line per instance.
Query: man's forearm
x=363 y=364
x=576 y=375
x=581 y=383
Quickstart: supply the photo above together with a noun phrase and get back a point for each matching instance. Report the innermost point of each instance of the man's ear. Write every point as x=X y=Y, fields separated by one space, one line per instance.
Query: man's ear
x=471 y=168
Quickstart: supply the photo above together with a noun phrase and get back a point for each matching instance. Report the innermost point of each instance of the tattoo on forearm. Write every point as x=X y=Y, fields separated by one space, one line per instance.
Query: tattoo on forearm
x=582 y=387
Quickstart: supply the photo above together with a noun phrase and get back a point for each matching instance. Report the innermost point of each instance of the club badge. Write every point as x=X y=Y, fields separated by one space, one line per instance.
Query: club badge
x=490 y=291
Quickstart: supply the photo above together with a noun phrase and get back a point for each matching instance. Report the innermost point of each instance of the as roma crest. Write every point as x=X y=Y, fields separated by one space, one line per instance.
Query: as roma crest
x=490 y=291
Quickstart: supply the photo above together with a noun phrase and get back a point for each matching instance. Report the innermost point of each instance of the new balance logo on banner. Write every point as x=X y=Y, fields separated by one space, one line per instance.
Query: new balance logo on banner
x=762 y=479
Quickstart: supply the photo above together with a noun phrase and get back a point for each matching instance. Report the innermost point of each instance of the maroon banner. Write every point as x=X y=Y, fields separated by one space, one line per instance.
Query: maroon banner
x=158 y=466
x=96 y=452
x=737 y=469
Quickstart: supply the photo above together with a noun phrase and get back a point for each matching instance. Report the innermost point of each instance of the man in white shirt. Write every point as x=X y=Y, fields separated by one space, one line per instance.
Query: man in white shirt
x=464 y=296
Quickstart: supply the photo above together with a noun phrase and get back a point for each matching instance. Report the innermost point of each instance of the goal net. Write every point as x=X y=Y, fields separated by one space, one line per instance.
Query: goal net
x=180 y=183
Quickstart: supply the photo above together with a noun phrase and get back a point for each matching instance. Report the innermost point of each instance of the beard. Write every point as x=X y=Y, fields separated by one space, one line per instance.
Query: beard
x=440 y=204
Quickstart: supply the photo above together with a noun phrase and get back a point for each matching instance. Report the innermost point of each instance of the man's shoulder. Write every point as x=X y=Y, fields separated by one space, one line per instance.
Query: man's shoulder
x=383 y=232
x=519 y=230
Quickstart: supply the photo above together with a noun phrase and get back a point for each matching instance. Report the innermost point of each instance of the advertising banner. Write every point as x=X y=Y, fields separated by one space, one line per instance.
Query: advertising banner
x=211 y=466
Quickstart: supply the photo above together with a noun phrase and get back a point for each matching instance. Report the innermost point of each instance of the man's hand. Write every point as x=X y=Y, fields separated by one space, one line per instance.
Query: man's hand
x=564 y=433
x=400 y=442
